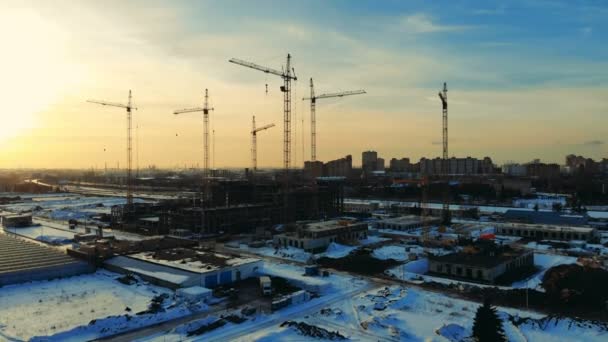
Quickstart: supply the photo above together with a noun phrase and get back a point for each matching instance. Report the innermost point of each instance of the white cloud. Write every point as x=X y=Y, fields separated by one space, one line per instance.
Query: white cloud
x=586 y=31
x=422 y=23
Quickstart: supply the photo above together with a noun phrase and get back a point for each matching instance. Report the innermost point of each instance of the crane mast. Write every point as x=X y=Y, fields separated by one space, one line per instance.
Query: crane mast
x=443 y=95
x=129 y=107
x=205 y=196
x=313 y=113
x=288 y=75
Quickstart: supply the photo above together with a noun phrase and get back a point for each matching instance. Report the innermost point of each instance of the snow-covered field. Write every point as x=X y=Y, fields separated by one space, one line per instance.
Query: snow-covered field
x=66 y=206
x=64 y=309
x=406 y=314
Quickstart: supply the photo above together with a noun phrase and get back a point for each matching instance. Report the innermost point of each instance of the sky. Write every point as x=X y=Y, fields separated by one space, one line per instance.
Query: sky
x=526 y=79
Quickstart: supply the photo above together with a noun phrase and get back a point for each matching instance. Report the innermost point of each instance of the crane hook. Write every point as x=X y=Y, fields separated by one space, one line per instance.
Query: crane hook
x=266 y=88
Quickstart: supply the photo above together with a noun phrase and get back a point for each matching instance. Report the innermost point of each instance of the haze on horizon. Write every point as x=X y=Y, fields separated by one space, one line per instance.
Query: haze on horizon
x=526 y=79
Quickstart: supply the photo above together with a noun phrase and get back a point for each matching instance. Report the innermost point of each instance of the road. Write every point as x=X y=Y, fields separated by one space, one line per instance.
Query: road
x=238 y=331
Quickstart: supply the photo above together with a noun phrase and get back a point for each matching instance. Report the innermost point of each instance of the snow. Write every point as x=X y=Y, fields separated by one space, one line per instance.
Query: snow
x=338 y=288
x=50 y=308
x=45 y=234
x=407 y=314
x=173 y=276
x=288 y=253
x=193 y=264
x=336 y=251
x=401 y=252
x=390 y=252
x=486 y=209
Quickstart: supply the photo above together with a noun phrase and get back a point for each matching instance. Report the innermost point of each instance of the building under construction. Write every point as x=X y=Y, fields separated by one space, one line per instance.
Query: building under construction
x=235 y=206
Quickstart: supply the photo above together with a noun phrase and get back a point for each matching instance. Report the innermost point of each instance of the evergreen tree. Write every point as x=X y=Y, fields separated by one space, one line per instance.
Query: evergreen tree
x=487 y=326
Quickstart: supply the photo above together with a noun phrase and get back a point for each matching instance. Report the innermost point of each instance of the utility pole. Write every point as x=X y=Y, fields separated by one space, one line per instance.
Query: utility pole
x=129 y=109
x=254 y=143
x=445 y=168
x=205 y=109
x=313 y=109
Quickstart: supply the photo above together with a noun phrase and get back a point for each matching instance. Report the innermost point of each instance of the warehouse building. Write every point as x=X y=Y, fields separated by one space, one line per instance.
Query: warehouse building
x=316 y=237
x=405 y=223
x=484 y=263
x=547 y=232
x=16 y=220
x=360 y=207
x=186 y=267
x=22 y=261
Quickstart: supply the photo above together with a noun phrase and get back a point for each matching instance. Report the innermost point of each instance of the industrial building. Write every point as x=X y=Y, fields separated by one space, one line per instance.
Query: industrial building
x=545 y=217
x=405 y=222
x=315 y=237
x=360 y=207
x=16 y=220
x=186 y=267
x=483 y=263
x=22 y=261
x=547 y=232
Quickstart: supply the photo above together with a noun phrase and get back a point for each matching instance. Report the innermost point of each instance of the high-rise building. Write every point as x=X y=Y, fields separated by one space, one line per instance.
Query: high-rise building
x=379 y=164
x=369 y=161
x=400 y=165
x=459 y=166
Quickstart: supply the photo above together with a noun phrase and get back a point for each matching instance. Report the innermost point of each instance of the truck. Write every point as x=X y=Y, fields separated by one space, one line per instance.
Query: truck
x=266 y=285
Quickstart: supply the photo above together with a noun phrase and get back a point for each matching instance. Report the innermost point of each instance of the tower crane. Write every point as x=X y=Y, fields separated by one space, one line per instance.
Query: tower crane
x=254 y=142
x=313 y=121
x=129 y=107
x=445 y=212
x=288 y=75
x=205 y=109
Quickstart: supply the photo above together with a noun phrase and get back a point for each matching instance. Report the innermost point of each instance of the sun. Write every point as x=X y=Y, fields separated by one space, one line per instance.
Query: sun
x=31 y=70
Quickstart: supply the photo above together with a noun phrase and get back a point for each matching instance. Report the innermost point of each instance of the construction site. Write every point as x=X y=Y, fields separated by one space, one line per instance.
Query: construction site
x=192 y=253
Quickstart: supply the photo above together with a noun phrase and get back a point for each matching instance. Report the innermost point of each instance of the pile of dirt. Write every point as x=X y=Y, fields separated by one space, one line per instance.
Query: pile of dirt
x=314 y=331
x=128 y=279
x=576 y=286
x=359 y=261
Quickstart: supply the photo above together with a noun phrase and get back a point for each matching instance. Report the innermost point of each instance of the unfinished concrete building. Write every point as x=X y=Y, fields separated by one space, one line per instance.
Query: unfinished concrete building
x=316 y=236
x=484 y=263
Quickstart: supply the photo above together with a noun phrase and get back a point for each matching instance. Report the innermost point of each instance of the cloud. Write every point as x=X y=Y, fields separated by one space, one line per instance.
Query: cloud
x=490 y=11
x=586 y=31
x=422 y=23
x=593 y=143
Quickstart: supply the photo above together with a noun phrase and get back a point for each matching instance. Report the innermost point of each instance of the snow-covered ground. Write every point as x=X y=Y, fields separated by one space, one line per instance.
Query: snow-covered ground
x=287 y=253
x=45 y=234
x=336 y=289
x=66 y=206
x=399 y=314
x=402 y=252
x=78 y=308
